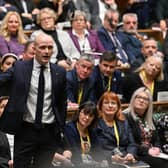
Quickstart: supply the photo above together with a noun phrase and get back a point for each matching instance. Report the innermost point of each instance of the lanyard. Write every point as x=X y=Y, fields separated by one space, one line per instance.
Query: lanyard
x=151 y=87
x=85 y=144
x=109 y=83
x=116 y=133
x=80 y=93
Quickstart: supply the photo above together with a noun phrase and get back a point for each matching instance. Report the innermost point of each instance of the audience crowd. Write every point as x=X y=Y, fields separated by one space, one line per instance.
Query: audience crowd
x=89 y=57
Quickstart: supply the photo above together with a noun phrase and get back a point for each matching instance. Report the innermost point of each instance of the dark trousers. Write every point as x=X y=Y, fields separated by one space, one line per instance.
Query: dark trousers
x=35 y=147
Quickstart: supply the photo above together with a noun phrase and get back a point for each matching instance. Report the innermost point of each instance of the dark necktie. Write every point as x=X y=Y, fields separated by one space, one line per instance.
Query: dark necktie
x=40 y=98
x=120 y=53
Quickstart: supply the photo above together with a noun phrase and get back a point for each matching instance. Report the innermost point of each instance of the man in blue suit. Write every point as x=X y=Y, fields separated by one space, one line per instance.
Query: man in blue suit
x=79 y=83
x=113 y=40
x=5 y=7
x=37 y=132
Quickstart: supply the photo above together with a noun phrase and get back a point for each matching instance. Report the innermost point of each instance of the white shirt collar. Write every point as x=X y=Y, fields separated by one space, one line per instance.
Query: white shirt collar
x=86 y=33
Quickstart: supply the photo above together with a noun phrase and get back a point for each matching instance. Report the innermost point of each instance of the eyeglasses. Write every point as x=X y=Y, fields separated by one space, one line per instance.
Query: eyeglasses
x=47 y=18
x=145 y=99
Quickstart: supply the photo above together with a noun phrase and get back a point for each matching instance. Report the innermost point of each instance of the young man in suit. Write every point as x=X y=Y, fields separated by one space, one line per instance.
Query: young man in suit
x=36 y=111
x=105 y=75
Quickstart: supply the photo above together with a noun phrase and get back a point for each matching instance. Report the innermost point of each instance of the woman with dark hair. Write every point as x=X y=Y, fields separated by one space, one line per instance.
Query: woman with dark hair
x=139 y=115
x=6 y=62
x=114 y=134
x=82 y=138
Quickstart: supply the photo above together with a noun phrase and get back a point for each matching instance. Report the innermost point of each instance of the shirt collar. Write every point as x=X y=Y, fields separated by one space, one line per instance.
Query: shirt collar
x=37 y=65
x=86 y=33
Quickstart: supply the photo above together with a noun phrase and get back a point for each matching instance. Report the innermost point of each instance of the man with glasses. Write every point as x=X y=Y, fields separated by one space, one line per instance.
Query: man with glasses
x=114 y=40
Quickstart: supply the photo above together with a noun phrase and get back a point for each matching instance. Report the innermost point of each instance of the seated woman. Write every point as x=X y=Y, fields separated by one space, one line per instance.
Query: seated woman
x=7 y=61
x=82 y=139
x=62 y=7
x=139 y=115
x=149 y=74
x=64 y=50
x=12 y=37
x=114 y=134
x=85 y=40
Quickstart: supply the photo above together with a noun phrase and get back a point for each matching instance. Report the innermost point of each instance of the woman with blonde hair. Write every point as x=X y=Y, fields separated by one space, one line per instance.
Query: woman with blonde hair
x=149 y=74
x=139 y=115
x=12 y=37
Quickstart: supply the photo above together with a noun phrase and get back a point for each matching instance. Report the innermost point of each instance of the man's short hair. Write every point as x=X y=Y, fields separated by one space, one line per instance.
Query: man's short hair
x=87 y=57
x=108 y=56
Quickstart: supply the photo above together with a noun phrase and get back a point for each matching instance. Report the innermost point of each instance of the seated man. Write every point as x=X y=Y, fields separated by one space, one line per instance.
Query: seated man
x=79 y=83
x=130 y=28
x=149 y=48
x=113 y=40
x=27 y=10
x=105 y=76
x=4 y=8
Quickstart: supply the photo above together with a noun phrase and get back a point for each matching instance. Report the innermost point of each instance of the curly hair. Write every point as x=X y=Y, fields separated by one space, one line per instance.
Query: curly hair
x=22 y=39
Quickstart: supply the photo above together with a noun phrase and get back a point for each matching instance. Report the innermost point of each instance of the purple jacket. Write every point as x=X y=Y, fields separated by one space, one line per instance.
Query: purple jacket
x=12 y=46
x=93 y=39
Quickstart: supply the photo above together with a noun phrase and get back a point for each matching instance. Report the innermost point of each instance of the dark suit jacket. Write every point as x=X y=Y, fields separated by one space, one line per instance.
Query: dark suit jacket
x=98 y=82
x=10 y=8
x=133 y=81
x=20 y=77
x=73 y=87
x=30 y=6
x=135 y=45
x=107 y=140
x=108 y=44
x=5 y=155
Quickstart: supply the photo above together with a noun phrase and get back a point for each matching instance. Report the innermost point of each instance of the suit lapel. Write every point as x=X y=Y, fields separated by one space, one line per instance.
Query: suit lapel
x=28 y=73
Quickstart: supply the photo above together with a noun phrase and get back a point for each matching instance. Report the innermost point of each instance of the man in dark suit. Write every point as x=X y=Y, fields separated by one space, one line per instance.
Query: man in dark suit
x=105 y=75
x=79 y=83
x=114 y=40
x=36 y=120
x=5 y=7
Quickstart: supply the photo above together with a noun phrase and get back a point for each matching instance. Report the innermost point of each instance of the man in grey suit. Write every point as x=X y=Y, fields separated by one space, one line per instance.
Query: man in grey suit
x=35 y=116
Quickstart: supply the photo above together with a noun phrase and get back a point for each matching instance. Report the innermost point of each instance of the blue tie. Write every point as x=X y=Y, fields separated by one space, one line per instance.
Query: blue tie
x=40 y=98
